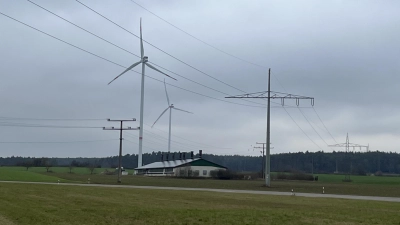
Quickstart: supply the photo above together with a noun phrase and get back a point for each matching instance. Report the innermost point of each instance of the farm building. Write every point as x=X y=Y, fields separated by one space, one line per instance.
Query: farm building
x=193 y=167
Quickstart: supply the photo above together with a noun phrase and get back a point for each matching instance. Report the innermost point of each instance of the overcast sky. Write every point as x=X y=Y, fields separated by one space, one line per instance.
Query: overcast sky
x=345 y=54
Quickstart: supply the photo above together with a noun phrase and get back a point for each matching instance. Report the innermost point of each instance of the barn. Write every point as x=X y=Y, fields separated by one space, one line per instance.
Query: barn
x=192 y=167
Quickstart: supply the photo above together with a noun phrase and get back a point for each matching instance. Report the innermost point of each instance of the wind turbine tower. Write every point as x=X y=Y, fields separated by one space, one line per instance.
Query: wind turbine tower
x=170 y=107
x=144 y=61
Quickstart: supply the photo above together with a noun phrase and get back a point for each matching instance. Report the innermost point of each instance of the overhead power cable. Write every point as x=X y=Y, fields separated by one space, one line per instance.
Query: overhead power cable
x=157 y=143
x=313 y=127
x=52 y=119
x=105 y=59
x=82 y=28
x=12 y=124
x=204 y=42
x=324 y=125
x=209 y=146
x=109 y=42
x=302 y=130
x=198 y=39
x=143 y=145
x=173 y=141
x=229 y=54
x=164 y=140
x=179 y=60
x=51 y=142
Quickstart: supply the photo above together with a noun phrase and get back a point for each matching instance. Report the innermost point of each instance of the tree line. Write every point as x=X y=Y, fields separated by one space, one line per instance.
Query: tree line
x=308 y=162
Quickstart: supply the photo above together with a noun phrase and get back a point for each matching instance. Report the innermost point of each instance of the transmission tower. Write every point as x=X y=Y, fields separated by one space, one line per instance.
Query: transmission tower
x=271 y=95
x=347 y=147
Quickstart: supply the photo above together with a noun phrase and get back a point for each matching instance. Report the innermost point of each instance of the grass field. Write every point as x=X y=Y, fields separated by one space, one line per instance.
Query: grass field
x=53 y=204
x=23 y=175
x=361 y=185
x=332 y=178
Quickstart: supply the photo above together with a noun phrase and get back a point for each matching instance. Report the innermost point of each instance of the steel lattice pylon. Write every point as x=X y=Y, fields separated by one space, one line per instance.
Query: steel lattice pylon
x=347 y=147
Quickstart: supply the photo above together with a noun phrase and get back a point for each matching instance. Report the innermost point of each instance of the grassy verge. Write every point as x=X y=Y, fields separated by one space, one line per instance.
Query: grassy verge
x=386 y=190
x=361 y=185
x=48 y=204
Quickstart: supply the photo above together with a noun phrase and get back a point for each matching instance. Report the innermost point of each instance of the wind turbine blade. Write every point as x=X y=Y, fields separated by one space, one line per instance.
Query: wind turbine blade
x=182 y=110
x=129 y=68
x=141 y=40
x=166 y=93
x=152 y=67
x=159 y=117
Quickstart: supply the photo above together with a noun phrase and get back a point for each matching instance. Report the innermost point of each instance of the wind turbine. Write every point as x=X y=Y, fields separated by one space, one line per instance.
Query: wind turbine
x=143 y=61
x=170 y=107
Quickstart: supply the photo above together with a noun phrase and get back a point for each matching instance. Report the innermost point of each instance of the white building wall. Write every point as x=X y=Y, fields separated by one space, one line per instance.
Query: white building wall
x=204 y=171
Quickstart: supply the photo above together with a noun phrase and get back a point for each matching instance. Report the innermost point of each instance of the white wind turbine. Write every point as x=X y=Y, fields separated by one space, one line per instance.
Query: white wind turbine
x=142 y=61
x=170 y=107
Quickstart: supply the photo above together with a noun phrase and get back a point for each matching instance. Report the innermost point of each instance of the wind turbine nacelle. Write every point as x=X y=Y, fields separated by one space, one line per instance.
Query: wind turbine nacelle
x=145 y=59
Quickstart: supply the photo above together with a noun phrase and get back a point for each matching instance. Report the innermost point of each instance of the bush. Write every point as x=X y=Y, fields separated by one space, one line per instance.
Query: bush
x=224 y=174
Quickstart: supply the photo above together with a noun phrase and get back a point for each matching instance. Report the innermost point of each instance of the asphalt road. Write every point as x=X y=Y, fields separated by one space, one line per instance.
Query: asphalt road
x=309 y=195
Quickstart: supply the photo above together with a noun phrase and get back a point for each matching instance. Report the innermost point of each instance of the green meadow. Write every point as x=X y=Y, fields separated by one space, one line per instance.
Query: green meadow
x=57 y=204
x=332 y=184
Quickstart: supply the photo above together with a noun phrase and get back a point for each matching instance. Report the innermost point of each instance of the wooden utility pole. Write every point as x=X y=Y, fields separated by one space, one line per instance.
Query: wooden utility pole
x=263 y=158
x=120 y=141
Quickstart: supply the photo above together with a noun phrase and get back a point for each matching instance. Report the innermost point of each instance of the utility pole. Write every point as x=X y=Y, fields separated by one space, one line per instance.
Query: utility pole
x=263 y=158
x=275 y=95
x=120 y=141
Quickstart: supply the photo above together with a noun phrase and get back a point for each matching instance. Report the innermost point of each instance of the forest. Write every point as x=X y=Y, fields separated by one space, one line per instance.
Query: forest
x=309 y=162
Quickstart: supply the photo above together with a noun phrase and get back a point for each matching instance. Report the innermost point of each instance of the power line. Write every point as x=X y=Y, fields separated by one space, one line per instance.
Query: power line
x=182 y=146
x=212 y=46
x=143 y=145
x=121 y=128
x=221 y=92
x=109 y=42
x=302 y=129
x=83 y=28
x=51 y=142
x=12 y=124
x=176 y=142
x=198 y=39
x=198 y=70
x=312 y=127
x=161 y=145
x=233 y=57
x=211 y=146
x=61 y=40
x=324 y=125
x=124 y=66
x=53 y=119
